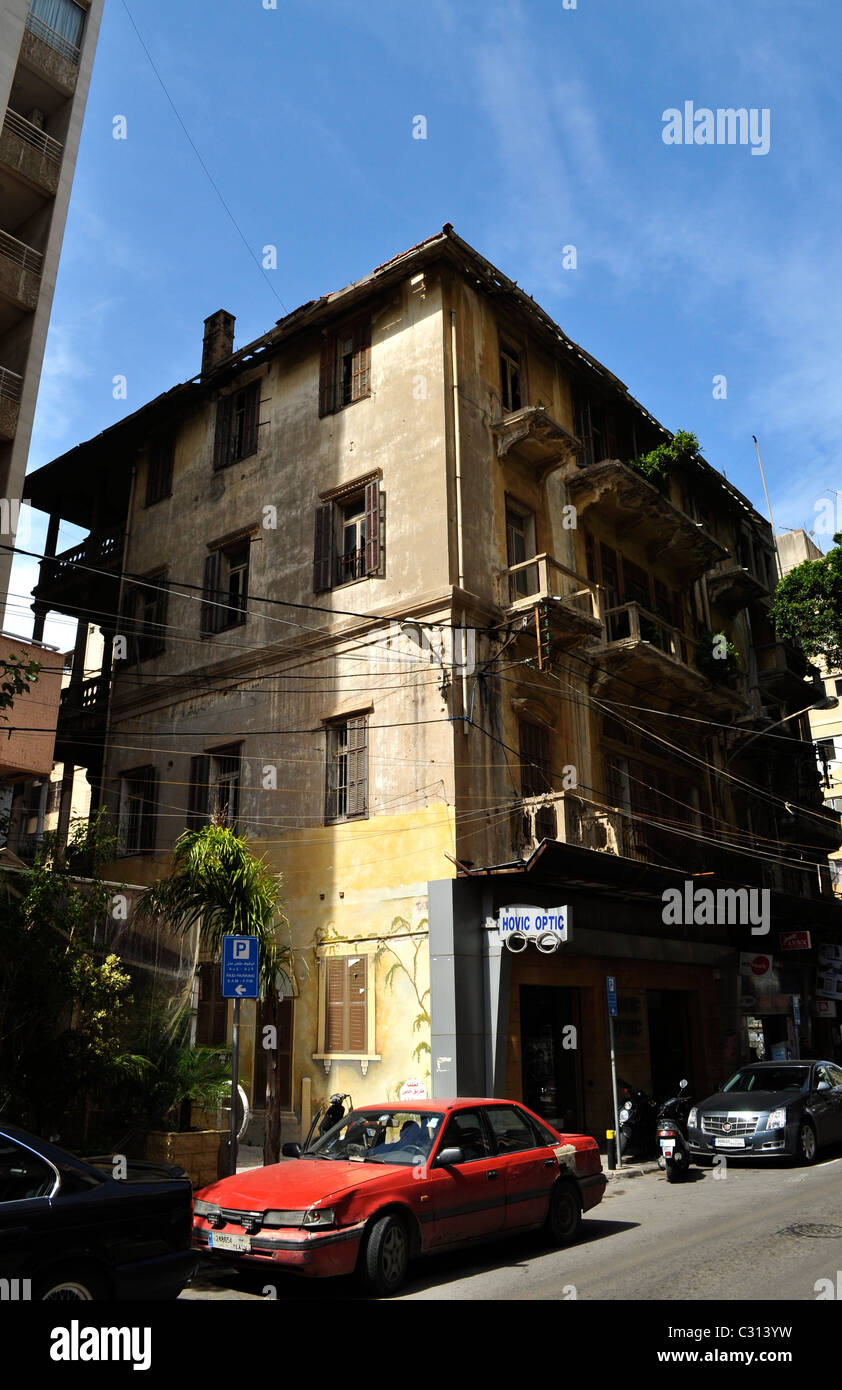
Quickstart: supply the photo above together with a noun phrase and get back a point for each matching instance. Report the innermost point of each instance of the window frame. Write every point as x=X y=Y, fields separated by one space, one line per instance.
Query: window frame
x=147 y=632
x=330 y=522
x=334 y=382
x=145 y=778
x=367 y=950
x=160 y=459
x=217 y=612
x=512 y=377
x=203 y=778
x=533 y=768
x=245 y=400
x=334 y=752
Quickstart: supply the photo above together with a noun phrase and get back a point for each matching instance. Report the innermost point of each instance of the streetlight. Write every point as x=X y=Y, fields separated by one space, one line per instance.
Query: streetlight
x=827 y=702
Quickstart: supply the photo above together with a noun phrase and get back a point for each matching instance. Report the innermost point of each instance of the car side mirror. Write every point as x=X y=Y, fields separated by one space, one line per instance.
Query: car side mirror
x=291 y=1150
x=449 y=1157
x=824 y=1086
x=682 y=1085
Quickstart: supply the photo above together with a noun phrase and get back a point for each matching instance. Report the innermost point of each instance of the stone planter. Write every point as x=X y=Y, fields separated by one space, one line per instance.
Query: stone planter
x=197 y=1152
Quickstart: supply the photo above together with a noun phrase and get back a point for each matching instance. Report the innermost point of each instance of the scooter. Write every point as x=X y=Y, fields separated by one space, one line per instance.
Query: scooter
x=638 y=1123
x=334 y=1112
x=672 y=1134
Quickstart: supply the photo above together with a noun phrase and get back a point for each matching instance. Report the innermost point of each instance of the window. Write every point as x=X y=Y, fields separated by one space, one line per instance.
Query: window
x=143 y=613
x=346 y=789
x=236 y=426
x=159 y=470
x=136 y=824
x=466 y=1131
x=24 y=1175
x=636 y=584
x=511 y=1132
x=510 y=393
x=346 y=1023
x=520 y=546
x=534 y=759
x=214 y=788
x=63 y=19
x=348 y=541
x=225 y=586
x=594 y=428
x=345 y=368
x=838 y=687
x=212 y=1012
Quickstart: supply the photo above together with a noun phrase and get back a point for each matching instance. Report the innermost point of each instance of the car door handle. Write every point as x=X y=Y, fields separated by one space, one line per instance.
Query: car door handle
x=492 y=1174
x=549 y=1163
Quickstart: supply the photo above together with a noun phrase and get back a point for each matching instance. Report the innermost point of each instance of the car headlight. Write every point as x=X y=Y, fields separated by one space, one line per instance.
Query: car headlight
x=283 y=1218
x=777 y=1118
x=315 y=1218
x=207 y=1209
x=319 y=1217
x=692 y=1118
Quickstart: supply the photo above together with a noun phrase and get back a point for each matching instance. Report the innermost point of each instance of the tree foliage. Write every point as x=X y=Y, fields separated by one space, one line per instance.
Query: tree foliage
x=658 y=463
x=807 y=607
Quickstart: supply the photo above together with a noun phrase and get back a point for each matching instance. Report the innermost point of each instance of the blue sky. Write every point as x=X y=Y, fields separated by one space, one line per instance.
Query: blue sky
x=544 y=130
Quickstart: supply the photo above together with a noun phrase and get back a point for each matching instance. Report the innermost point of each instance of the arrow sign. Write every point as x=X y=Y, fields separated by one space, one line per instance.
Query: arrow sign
x=240 y=967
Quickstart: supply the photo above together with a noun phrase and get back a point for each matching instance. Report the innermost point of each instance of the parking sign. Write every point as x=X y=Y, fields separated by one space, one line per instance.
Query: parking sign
x=240 y=967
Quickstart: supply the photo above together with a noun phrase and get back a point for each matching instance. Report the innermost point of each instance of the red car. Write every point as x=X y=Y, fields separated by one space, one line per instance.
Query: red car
x=391 y=1182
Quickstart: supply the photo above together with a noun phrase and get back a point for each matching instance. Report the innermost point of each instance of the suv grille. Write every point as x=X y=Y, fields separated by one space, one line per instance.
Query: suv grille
x=736 y=1124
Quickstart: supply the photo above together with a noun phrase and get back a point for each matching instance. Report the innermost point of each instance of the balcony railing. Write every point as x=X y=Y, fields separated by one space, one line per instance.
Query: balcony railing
x=82 y=699
x=20 y=253
x=543 y=578
x=631 y=622
x=33 y=135
x=11 y=384
x=56 y=41
x=570 y=819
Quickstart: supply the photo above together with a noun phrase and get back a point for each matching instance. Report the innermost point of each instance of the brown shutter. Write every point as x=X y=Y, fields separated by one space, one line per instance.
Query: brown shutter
x=372 y=527
x=327 y=375
x=357 y=767
x=148 y=819
x=128 y=622
x=336 y=1005
x=211 y=615
x=357 y=1031
x=222 y=439
x=323 y=549
x=361 y=360
x=197 y=799
x=252 y=406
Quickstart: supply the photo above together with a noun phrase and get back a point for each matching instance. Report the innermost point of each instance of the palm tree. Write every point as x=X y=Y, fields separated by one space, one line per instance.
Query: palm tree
x=217 y=886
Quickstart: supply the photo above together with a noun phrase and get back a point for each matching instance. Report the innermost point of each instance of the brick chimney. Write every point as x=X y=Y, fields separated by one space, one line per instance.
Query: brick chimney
x=218 y=341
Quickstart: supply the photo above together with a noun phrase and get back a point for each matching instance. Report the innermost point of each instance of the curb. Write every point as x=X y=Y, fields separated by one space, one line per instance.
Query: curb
x=635 y=1171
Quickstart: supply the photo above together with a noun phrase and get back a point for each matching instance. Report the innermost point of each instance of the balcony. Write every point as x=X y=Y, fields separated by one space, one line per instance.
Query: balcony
x=85 y=580
x=628 y=503
x=781 y=672
x=731 y=587
x=533 y=437
x=641 y=648
x=11 y=386
x=573 y=602
x=570 y=819
x=50 y=55
x=29 y=152
x=81 y=722
x=20 y=272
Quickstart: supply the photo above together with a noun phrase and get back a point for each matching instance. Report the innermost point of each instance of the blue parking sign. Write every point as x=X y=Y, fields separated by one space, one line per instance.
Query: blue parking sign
x=611 y=991
x=240 y=967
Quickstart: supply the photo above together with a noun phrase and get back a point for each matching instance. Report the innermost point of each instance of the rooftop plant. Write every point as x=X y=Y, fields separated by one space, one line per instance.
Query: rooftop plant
x=657 y=465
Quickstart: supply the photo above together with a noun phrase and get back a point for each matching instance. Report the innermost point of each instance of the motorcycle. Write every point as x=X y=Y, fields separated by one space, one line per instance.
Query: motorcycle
x=638 y=1123
x=672 y=1134
x=333 y=1113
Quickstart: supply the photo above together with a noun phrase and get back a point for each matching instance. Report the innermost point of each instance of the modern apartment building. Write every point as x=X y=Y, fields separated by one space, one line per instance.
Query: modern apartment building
x=46 y=55
x=387 y=590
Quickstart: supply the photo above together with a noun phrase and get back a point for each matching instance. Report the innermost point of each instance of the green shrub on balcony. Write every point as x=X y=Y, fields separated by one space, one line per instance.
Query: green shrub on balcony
x=657 y=465
x=717 y=658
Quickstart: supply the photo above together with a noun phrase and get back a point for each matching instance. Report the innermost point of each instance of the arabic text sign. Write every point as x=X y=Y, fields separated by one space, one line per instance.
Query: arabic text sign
x=240 y=962
x=534 y=921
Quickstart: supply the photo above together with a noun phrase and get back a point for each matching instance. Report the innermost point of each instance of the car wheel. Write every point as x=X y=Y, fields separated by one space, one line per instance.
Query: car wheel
x=807 y=1149
x=385 y=1256
x=70 y=1288
x=565 y=1214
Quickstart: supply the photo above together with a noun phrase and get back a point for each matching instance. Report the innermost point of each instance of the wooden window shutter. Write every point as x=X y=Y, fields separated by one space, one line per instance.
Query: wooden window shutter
x=211 y=614
x=128 y=622
x=361 y=363
x=198 y=792
x=372 y=527
x=323 y=549
x=357 y=767
x=222 y=438
x=149 y=809
x=336 y=1005
x=252 y=407
x=357 y=1030
x=327 y=376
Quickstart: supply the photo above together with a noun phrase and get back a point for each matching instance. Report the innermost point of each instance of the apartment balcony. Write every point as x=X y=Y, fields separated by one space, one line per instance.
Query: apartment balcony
x=84 y=581
x=731 y=587
x=643 y=649
x=50 y=55
x=569 y=818
x=21 y=267
x=532 y=436
x=80 y=733
x=27 y=150
x=781 y=672
x=629 y=504
x=573 y=603
x=11 y=386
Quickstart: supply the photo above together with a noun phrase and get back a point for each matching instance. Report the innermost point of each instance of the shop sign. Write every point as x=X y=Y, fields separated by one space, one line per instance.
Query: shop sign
x=795 y=940
x=824 y=1008
x=413 y=1089
x=547 y=927
x=760 y=986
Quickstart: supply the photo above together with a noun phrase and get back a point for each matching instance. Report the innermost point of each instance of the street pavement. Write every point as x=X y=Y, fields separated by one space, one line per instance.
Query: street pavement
x=762 y=1231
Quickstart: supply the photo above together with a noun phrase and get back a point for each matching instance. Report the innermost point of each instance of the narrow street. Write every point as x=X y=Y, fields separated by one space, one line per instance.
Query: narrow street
x=762 y=1232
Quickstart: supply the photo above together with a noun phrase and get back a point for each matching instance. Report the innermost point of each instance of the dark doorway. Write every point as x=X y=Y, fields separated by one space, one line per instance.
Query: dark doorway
x=285 y=1011
x=551 y=1035
x=670 y=1055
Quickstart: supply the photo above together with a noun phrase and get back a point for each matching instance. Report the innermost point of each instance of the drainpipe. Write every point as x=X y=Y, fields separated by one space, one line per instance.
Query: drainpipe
x=460 y=545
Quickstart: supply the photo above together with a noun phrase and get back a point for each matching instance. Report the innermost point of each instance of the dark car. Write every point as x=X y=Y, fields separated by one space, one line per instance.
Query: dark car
x=69 y=1230
x=769 y=1109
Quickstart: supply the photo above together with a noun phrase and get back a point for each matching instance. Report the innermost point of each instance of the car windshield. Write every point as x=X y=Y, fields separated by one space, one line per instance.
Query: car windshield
x=380 y=1136
x=769 y=1079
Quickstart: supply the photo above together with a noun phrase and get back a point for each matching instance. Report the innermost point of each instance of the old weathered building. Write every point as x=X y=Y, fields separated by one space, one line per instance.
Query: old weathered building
x=383 y=587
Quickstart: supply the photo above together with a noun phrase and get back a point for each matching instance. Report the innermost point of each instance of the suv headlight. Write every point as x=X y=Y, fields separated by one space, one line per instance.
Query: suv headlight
x=692 y=1118
x=777 y=1118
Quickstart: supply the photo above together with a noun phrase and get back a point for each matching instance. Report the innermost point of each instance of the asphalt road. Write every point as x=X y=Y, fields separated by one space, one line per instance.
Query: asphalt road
x=763 y=1231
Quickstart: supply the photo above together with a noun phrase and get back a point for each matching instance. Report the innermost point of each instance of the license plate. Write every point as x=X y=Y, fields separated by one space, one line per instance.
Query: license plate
x=667 y=1147
x=731 y=1142
x=241 y=1244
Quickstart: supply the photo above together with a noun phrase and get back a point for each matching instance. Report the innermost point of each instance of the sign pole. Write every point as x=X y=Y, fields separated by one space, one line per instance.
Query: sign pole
x=235 y=1068
x=611 y=990
x=240 y=980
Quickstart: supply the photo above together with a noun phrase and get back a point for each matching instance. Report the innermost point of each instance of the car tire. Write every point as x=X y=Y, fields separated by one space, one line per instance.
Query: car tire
x=385 y=1256
x=806 y=1150
x=564 y=1217
x=70 y=1286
